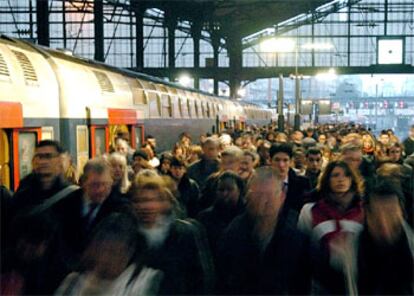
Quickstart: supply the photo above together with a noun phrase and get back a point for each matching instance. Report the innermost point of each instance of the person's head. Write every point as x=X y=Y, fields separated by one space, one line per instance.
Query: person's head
x=314 y=160
x=96 y=180
x=322 y=139
x=339 y=178
x=165 y=163
x=395 y=151
x=185 y=139
x=247 y=163
x=195 y=153
x=151 y=200
x=230 y=189
x=225 y=141
x=309 y=132
x=178 y=150
x=121 y=146
x=352 y=155
x=178 y=168
x=299 y=159
x=297 y=136
x=263 y=199
x=140 y=161
x=281 y=138
x=210 y=148
x=384 y=211
x=151 y=141
x=47 y=161
x=148 y=149
x=384 y=138
x=112 y=246
x=281 y=155
x=368 y=142
x=119 y=168
x=230 y=159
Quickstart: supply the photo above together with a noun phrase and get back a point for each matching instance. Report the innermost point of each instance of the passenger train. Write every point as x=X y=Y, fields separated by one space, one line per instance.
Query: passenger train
x=49 y=94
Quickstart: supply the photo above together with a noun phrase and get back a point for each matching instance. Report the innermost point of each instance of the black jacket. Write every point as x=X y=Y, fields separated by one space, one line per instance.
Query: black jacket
x=75 y=233
x=297 y=187
x=202 y=169
x=282 y=268
x=189 y=195
x=184 y=259
x=30 y=194
x=386 y=269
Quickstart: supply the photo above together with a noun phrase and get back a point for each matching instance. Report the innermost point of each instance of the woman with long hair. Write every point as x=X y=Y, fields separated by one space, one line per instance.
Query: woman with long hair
x=331 y=224
x=118 y=163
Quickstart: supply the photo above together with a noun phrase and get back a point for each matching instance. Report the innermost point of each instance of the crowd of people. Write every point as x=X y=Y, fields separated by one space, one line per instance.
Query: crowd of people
x=326 y=211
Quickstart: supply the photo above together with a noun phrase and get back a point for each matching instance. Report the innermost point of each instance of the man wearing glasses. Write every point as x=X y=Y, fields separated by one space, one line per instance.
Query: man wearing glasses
x=45 y=180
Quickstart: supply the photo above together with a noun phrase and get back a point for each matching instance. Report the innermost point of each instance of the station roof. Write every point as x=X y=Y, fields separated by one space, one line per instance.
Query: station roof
x=241 y=17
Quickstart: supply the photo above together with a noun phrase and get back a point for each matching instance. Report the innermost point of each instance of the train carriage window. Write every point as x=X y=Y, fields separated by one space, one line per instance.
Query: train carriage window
x=166 y=105
x=47 y=133
x=99 y=142
x=154 y=104
x=190 y=108
x=138 y=92
x=27 y=143
x=82 y=146
x=139 y=134
x=180 y=107
x=197 y=108
x=208 y=110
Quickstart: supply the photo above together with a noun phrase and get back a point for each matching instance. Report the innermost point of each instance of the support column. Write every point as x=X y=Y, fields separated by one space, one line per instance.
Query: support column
x=99 y=31
x=297 y=102
x=234 y=48
x=42 y=20
x=196 y=34
x=215 y=38
x=171 y=24
x=280 y=95
x=139 y=35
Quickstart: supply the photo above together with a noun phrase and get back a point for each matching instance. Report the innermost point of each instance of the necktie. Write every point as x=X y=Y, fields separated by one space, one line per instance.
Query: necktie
x=88 y=218
x=284 y=192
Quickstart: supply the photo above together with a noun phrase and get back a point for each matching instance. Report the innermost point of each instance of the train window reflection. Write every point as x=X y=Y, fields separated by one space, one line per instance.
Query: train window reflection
x=27 y=142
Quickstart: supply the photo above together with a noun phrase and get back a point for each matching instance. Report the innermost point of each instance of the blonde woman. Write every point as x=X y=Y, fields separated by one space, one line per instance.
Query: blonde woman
x=118 y=163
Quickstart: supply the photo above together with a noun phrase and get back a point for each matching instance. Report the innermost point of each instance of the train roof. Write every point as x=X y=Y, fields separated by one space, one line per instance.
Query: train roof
x=61 y=54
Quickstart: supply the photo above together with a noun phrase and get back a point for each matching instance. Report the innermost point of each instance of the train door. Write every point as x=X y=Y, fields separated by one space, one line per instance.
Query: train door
x=16 y=153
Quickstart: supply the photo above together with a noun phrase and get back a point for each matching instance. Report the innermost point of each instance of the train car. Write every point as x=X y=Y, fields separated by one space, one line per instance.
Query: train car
x=49 y=94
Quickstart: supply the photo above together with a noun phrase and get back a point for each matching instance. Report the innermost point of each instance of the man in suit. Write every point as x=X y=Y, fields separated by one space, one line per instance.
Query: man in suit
x=82 y=210
x=293 y=186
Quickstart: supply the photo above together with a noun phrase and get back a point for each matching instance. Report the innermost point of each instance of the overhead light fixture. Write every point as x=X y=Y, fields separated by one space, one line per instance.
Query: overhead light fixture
x=330 y=75
x=184 y=80
x=277 y=45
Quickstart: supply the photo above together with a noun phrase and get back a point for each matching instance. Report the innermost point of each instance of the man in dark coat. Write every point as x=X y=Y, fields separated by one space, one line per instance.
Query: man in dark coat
x=259 y=253
x=45 y=180
x=313 y=165
x=293 y=186
x=188 y=188
x=209 y=164
x=386 y=246
x=82 y=210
